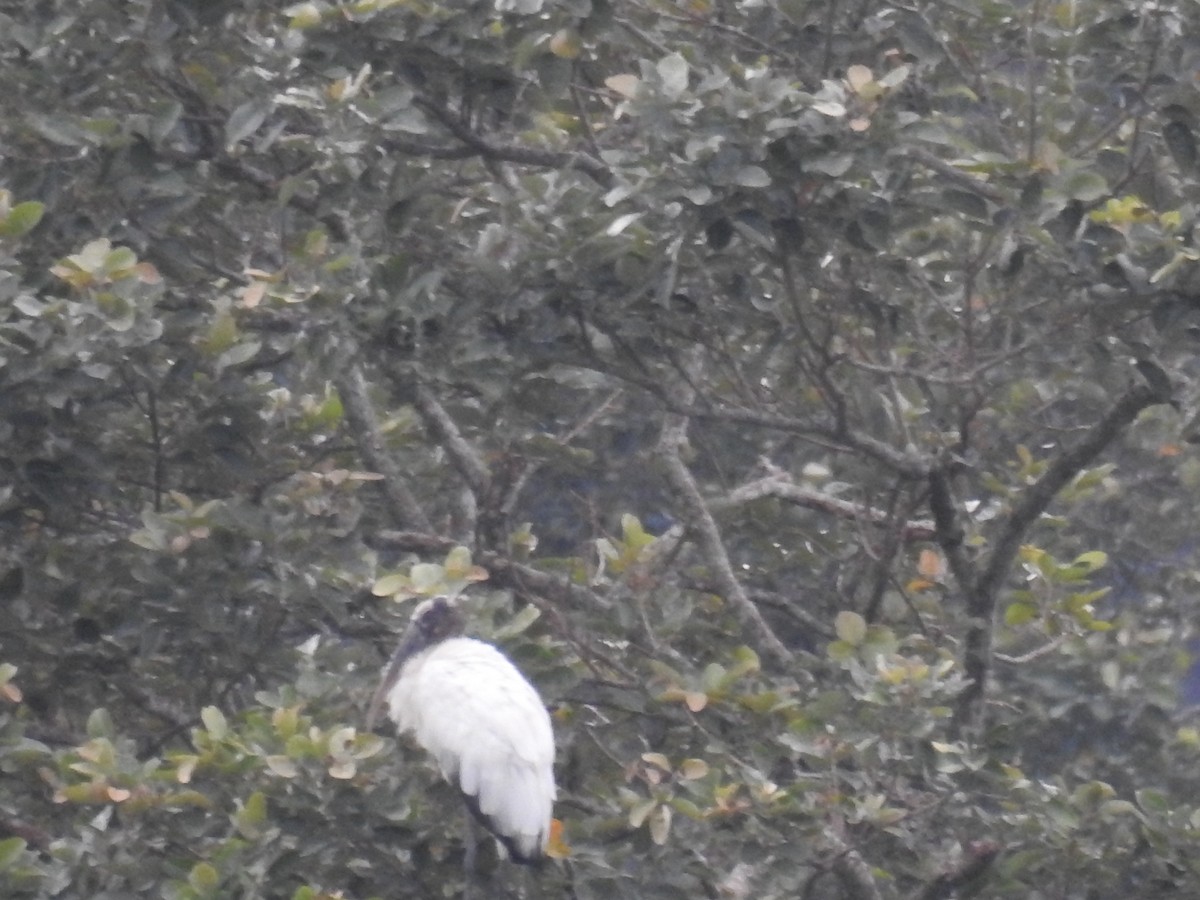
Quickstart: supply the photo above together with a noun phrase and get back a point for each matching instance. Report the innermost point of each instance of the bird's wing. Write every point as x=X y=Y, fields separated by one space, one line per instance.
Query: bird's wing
x=489 y=731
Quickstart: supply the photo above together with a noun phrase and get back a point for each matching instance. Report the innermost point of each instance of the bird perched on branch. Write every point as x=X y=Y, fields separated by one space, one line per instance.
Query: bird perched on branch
x=476 y=714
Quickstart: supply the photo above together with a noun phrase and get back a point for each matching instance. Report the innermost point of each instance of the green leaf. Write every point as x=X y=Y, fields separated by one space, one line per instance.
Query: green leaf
x=640 y=812
x=1114 y=808
x=100 y=724
x=1153 y=801
x=752 y=177
x=840 y=651
x=245 y=120
x=427 y=577
x=304 y=15
x=222 y=334
x=120 y=259
x=1092 y=560
x=204 y=878
x=389 y=585
x=238 y=354
x=712 y=677
x=1020 y=613
x=91 y=258
x=746 y=661
x=660 y=824
x=214 y=722
x=11 y=850
x=283 y=766
x=22 y=219
x=850 y=627
x=519 y=623
x=1086 y=186
x=249 y=819
x=457 y=562
x=673 y=70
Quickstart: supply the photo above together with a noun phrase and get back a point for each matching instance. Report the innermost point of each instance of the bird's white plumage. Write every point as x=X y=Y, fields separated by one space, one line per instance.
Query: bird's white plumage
x=469 y=706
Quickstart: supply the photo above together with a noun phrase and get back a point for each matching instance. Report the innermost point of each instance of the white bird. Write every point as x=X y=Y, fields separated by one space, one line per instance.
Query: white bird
x=476 y=714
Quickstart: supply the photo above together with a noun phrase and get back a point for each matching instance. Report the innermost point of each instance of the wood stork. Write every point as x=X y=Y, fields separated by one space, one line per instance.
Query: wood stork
x=476 y=714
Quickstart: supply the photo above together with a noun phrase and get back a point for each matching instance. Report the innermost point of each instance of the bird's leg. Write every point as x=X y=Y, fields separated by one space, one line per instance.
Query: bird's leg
x=470 y=846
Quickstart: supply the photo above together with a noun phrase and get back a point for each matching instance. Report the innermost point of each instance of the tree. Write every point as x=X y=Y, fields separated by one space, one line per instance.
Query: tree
x=801 y=388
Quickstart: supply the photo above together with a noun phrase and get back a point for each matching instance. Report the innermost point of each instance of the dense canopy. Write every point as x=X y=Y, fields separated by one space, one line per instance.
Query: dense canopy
x=801 y=393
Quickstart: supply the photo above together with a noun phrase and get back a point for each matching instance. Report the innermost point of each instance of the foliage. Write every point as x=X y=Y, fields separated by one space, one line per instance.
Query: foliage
x=803 y=395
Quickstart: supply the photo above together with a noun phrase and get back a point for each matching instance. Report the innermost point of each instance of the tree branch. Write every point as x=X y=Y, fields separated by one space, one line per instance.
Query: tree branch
x=910 y=464
x=503 y=570
x=949 y=530
x=983 y=597
x=360 y=415
x=445 y=432
x=549 y=593
x=514 y=153
x=700 y=520
x=851 y=870
x=970 y=872
x=958 y=177
x=780 y=486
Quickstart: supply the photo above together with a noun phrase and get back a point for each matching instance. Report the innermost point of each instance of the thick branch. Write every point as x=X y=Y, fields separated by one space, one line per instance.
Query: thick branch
x=950 y=530
x=352 y=388
x=1059 y=475
x=983 y=598
x=420 y=148
x=700 y=521
x=445 y=432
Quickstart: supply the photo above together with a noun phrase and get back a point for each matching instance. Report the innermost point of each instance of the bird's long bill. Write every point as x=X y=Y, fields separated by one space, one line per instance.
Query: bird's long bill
x=408 y=643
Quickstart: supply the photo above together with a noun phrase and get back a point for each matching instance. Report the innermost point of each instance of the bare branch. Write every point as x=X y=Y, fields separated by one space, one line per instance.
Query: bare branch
x=960 y=178
x=420 y=148
x=789 y=607
x=352 y=388
x=1035 y=653
x=903 y=462
x=445 y=432
x=414 y=541
x=700 y=520
x=780 y=486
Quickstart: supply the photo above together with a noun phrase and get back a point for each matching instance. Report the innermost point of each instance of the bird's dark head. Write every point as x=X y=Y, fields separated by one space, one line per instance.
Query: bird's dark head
x=433 y=621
